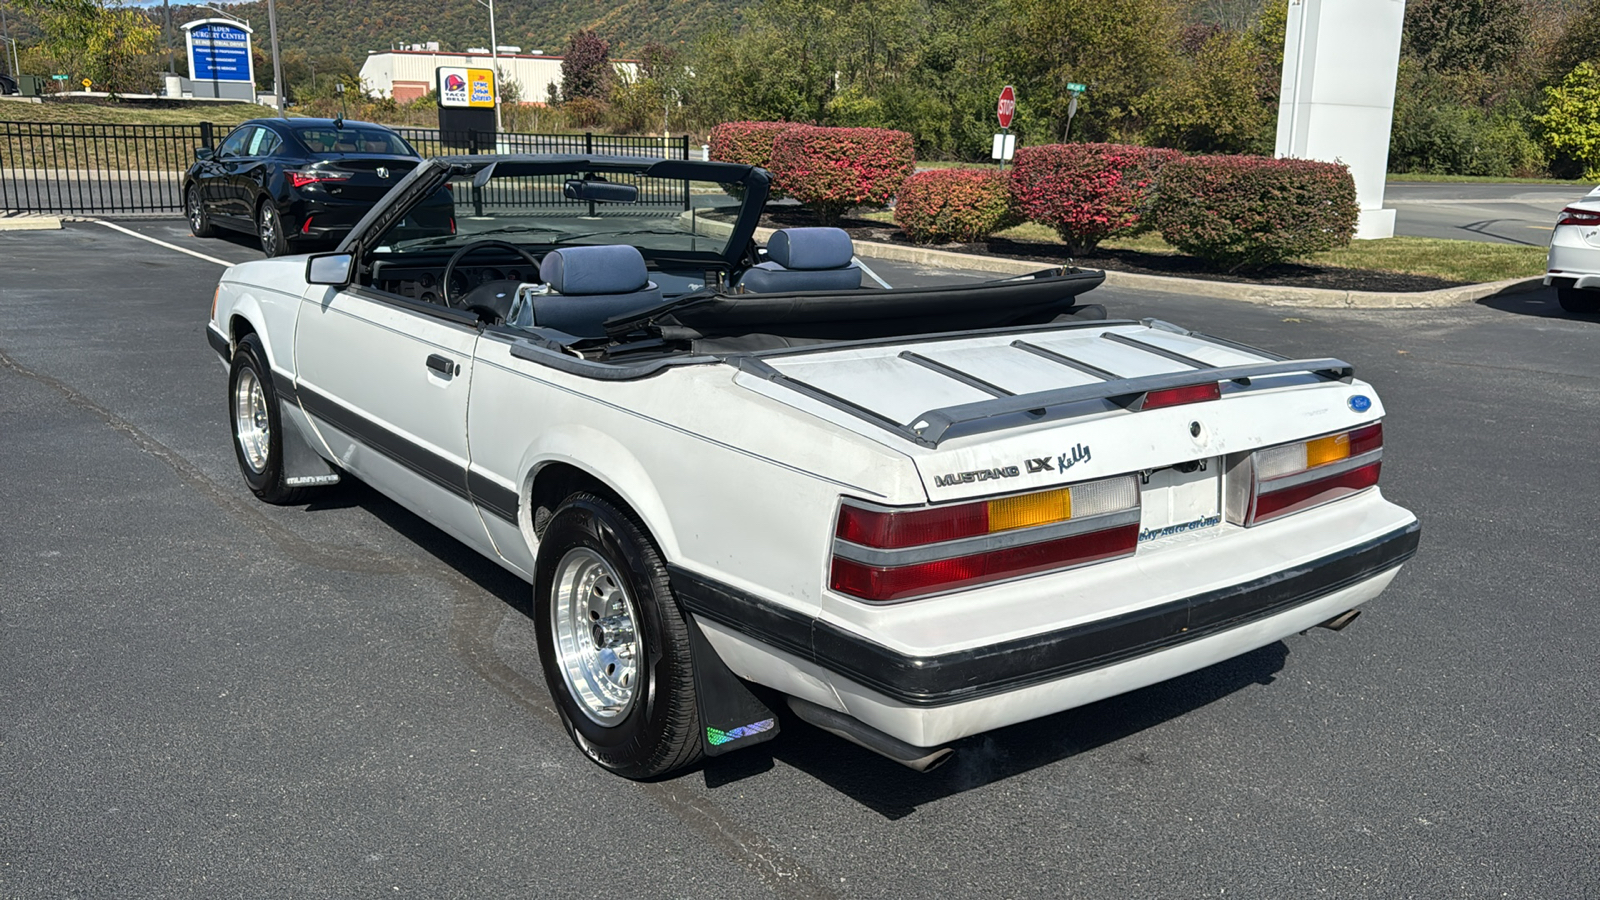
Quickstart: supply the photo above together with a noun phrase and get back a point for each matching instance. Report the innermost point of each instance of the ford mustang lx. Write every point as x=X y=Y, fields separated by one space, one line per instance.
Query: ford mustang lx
x=738 y=481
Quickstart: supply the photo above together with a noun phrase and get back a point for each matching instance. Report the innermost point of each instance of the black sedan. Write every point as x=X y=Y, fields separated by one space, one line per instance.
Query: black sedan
x=293 y=181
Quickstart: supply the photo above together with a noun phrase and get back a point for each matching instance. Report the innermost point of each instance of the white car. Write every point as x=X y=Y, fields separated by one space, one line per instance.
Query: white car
x=1574 y=266
x=910 y=516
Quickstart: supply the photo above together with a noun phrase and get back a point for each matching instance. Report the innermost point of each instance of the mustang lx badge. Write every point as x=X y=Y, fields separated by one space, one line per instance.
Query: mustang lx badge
x=1065 y=461
x=955 y=478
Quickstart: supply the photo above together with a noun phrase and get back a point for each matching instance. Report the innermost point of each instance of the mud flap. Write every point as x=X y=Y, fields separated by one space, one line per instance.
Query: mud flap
x=731 y=718
x=302 y=467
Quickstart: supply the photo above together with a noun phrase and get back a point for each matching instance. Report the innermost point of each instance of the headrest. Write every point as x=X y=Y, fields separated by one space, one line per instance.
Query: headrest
x=609 y=269
x=811 y=248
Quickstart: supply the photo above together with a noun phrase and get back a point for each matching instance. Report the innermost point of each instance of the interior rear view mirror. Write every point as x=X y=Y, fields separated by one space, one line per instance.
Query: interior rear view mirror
x=601 y=191
x=329 y=268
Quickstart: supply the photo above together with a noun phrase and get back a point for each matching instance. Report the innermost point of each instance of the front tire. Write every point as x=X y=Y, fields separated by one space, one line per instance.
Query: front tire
x=613 y=644
x=1578 y=300
x=199 y=223
x=269 y=228
x=257 y=429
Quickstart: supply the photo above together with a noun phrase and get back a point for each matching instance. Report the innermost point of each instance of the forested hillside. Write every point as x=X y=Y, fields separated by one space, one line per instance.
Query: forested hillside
x=352 y=27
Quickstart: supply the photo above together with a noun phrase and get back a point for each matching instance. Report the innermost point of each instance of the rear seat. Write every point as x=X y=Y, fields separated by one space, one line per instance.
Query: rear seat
x=805 y=259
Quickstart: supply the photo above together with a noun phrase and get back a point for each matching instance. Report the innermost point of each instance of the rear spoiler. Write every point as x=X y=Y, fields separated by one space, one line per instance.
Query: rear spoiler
x=1007 y=410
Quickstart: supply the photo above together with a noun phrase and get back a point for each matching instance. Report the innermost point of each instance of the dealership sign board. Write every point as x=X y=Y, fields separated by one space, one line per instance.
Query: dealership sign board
x=465 y=88
x=219 y=50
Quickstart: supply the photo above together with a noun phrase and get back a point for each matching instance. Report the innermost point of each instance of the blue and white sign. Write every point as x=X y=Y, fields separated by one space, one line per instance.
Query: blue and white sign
x=219 y=50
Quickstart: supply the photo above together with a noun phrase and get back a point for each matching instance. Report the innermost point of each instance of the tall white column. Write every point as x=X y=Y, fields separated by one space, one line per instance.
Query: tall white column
x=1340 y=60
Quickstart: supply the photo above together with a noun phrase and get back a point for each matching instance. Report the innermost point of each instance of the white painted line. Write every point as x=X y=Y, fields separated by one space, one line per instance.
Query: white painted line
x=145 y=237
x=871 y=274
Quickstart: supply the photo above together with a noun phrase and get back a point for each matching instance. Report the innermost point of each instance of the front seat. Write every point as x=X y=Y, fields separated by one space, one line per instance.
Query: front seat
x=805 y=259
x=591 y=285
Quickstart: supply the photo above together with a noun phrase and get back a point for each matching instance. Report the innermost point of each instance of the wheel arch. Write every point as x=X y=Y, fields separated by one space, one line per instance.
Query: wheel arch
x=579 y=458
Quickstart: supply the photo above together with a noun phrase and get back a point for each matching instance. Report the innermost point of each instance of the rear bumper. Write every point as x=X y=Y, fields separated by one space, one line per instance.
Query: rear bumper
x=930 y=700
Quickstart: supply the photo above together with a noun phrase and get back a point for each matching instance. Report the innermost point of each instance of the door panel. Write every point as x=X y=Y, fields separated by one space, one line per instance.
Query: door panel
x=387 y=387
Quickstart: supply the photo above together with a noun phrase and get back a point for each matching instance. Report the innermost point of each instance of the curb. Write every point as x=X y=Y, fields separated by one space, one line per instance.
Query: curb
x=30 y=223
x=1267 y=294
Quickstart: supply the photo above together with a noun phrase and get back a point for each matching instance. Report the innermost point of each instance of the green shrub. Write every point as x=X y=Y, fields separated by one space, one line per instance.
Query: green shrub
x=954 y=205
x=1086 y=192
x=1245 y=212
x=834 y=169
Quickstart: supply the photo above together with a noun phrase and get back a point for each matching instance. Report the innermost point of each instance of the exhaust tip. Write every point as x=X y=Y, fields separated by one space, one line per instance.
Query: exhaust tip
x=1337 y=623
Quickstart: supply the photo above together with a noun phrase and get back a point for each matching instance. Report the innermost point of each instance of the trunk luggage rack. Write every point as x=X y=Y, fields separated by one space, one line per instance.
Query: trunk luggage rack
x=1009 y=410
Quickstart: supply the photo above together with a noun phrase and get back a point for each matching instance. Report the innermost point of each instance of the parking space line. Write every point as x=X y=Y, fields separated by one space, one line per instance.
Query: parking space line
x=871 y=274
x=146 y=237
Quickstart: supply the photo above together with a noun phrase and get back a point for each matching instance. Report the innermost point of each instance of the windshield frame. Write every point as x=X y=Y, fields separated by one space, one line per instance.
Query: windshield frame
x=433 y=173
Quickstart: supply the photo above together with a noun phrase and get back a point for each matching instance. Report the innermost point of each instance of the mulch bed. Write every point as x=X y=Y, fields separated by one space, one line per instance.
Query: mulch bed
x=1290 y=274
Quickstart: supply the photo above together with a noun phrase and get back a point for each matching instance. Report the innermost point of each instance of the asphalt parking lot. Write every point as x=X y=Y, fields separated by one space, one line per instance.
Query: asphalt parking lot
x=204 y=696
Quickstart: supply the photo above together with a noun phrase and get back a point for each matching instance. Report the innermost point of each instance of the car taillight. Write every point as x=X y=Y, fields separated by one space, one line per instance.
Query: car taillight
x=895 y=554
x=1289 y=478
x=1178 y=396
x=1571 y=216
x=301 y=179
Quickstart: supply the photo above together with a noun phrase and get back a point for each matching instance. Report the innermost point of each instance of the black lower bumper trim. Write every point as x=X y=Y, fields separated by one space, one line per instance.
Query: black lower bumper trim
x=219 y=342
x=983 y=671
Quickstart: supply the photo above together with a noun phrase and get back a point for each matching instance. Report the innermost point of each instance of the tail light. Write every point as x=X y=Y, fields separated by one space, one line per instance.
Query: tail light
x=301 y=179
x=1179 y=396
x=1289 y=478
x=895 y=554
x=1573 y=216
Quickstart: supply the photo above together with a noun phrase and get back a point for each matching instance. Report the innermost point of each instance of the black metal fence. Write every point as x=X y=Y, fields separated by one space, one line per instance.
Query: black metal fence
x=67 y=168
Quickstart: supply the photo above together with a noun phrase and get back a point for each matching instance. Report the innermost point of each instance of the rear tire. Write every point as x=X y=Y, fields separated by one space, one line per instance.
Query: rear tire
x=613 y=644
x=199 y=222
x=269 y=228
x=257 y=429
x=1578 y=300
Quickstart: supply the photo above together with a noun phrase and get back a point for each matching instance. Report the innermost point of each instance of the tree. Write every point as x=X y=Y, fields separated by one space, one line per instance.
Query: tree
x=1465 y=35
x=1121 y=49
x=1579 y=42
x=1571 y=118
x=586 y=69
x=98 y=39
x=1216 y=103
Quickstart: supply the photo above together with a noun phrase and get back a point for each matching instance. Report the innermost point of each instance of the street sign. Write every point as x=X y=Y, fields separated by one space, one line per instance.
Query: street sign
x=1005 y=147
x=1007 y=106
x=1076 y=88
x=60 y=77
x=87 y=83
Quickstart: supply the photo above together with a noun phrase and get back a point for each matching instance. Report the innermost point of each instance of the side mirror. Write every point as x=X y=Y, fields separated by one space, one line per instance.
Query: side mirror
x=203 y=153
x=330 y=268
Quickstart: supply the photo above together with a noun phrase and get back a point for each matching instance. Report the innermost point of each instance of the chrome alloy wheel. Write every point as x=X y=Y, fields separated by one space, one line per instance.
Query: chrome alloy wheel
x=268 y=229
x=250 y=424
x=592 y=618
x=196 y=215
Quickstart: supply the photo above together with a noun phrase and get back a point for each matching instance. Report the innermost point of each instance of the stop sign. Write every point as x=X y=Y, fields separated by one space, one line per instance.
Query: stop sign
x=1006 y=107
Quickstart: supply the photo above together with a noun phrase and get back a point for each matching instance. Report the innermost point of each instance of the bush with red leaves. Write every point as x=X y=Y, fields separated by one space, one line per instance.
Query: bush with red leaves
x=833 y=169
x=749 y=143
x=1086 y=192
x=954 y=205
x=1246 y=212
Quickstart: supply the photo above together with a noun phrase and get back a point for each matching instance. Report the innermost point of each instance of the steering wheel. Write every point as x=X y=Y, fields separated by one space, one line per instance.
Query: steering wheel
x=450 y=267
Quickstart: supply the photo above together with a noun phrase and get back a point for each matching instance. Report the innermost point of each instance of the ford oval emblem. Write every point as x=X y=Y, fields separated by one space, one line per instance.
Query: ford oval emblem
x=1360 y=403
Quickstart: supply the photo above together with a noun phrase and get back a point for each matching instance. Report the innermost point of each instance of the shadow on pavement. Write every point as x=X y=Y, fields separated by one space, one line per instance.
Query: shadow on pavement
x=894 y=792
x=1540 y=303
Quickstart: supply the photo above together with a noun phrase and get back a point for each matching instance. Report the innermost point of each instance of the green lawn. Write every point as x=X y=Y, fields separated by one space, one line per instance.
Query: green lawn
x=111 y=113
x=1478 y=179
x=1468 y=261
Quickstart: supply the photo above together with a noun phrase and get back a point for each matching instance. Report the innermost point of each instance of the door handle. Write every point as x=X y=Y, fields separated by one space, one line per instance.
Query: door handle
x=442 y=364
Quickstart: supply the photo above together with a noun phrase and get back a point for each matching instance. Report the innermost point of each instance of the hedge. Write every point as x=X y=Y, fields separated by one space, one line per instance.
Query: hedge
x=834 y=169
x=1244 y=212
x=1086 y=192
x=954 y=205
x=749 y=143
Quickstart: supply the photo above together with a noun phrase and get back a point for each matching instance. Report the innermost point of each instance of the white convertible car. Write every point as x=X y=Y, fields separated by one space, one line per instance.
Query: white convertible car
x=739 y=481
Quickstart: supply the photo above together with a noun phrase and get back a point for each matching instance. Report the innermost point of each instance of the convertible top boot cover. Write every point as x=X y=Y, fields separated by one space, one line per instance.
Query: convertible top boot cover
x=805 y=259
x=593 y=284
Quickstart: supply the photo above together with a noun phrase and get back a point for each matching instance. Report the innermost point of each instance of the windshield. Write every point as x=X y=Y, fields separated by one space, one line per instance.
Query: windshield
x=663 y=217
x=327 y=139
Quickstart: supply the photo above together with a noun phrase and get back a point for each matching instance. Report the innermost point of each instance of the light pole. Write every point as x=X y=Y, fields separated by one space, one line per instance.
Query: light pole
x=494 y=55
x=5 y=30
x=277 y=67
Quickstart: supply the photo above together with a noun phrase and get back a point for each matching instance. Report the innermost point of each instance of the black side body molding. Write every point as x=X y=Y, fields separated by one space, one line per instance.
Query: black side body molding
x=929 y=681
